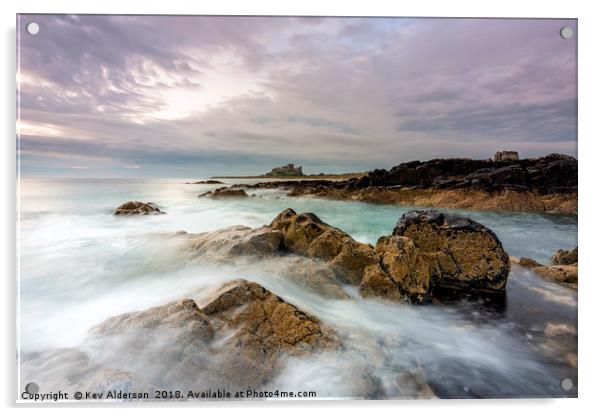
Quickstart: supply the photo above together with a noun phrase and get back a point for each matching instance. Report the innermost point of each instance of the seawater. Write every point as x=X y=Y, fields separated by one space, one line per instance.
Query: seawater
x=80 y=264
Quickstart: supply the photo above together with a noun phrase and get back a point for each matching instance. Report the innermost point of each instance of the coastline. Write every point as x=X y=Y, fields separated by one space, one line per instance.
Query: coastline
x=504 y=200
x=539 y=185
x=333 y=177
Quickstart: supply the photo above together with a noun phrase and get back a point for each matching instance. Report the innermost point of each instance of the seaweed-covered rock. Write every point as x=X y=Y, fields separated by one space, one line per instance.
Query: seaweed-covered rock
x=461 y=253
x=137 y=208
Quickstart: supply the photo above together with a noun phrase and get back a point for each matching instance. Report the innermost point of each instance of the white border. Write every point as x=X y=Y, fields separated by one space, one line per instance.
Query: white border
x=590 y=153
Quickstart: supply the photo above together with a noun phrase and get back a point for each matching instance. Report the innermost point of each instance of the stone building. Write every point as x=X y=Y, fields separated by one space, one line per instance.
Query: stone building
x=287 y=170
x=506 y=155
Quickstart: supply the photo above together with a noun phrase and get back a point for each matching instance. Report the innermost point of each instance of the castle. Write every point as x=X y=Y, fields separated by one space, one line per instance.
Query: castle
x=287 y=170
x=505 y=155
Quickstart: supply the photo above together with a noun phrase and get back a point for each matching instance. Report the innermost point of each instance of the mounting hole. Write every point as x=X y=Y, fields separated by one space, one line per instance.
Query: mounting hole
x=32 y=28
x=566 y=32
x=32 y=388
x=566 y=384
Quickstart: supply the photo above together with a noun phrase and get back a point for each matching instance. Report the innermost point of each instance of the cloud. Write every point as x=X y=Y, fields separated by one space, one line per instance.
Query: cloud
x=183 y=94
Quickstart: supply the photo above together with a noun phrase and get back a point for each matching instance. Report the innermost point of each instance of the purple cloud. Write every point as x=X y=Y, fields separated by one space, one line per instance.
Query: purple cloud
x=331 y=93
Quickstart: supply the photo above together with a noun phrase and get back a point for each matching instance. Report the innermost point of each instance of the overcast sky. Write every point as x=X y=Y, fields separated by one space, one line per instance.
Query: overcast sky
x=169 y=96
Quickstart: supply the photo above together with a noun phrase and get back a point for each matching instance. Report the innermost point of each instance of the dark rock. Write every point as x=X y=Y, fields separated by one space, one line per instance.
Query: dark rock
x=461 y=253
x=137 y=208
x=208 y=182
x=224 y=192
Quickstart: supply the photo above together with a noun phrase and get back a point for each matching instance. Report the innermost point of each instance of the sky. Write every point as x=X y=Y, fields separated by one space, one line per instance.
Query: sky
x=198 y=96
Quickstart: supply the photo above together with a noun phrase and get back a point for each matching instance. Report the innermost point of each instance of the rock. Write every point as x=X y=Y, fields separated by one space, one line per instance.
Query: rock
x=307 y=235
x=564 y=274
x=402 y=267
x=461 y=253
x=208 y=182
x=177 y=315
x=265 y=330
x=377 y=283
x=528 y=263
x=311 y=274
x=410 y=384
x=560 y=343
x=545 y=184
x=565 y=257
x=225 y=193
x=264 y=318
x=240 y=338
x=137 y=208
x=222 y=244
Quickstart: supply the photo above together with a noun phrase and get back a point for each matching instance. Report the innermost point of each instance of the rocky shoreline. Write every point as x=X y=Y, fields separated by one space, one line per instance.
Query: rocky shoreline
x=547 y=184
x=246 y=336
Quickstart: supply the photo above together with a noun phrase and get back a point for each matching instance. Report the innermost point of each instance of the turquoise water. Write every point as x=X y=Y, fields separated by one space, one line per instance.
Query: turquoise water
x=79 y=264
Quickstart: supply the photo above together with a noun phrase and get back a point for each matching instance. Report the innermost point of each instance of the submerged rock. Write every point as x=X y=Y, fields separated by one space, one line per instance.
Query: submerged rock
x=137 y=208
x=222 y=244
x=565 y=274
x=225 y=193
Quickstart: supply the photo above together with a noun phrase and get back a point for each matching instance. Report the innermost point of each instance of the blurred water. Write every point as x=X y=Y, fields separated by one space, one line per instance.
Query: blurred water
x=80 y=264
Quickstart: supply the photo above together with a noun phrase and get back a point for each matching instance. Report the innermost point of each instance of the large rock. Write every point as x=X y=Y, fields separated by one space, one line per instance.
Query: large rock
x=306 y=234
x=137 y=208
x=239 y=339
x=266 y=244
x=401 y=274
x=461 y=253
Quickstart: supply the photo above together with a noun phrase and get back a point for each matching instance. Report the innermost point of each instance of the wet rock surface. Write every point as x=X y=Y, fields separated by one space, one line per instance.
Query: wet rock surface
x=307 y=235
x=137 y=208
x=564 y=269
x=237 y=340
x=427 y=250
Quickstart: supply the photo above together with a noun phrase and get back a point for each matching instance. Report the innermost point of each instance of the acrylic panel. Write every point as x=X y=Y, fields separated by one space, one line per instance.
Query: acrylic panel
x=265 y=207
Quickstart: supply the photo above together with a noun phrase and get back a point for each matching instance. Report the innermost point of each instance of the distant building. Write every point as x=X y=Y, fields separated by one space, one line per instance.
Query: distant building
x=287 y=170
x=506 y=155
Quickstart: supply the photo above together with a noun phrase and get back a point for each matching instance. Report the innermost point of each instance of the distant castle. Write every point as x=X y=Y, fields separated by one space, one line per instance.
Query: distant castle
x=287 y=170
x=505 y=155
